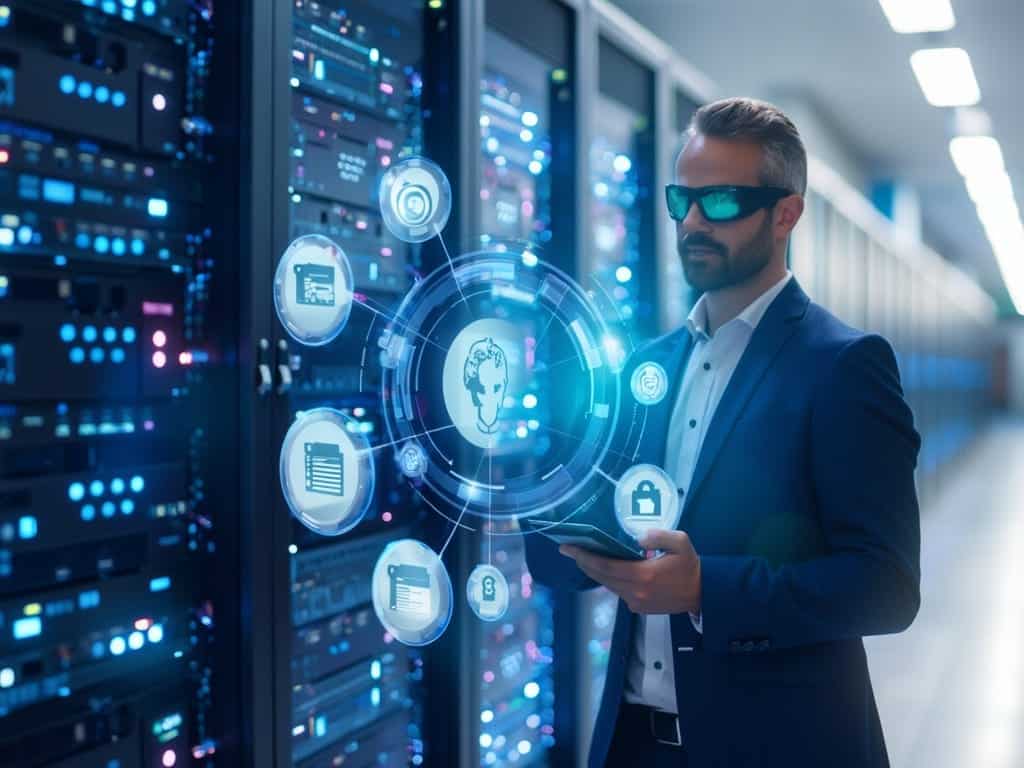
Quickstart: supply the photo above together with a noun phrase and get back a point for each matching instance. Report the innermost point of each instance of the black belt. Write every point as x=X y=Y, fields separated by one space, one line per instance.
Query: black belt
x=663 y=726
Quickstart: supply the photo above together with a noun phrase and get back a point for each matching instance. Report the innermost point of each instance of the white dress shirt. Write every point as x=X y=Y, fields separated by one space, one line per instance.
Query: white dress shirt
x=650 y=672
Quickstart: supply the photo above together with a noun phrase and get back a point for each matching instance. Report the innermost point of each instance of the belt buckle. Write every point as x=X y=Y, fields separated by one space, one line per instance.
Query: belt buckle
x=654 y=731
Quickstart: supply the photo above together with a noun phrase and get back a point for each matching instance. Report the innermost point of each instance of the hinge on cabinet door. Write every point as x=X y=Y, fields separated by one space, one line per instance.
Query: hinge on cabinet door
x=264 y=378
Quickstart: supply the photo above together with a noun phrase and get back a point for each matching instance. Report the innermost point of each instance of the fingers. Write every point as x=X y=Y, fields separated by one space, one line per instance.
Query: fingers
x=606 y=569
x=669 y=541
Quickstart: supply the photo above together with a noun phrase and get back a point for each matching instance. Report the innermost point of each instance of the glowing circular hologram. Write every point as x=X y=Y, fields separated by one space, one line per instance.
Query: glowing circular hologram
x=487 y=592
x=646 y=498
x=412 y=460
x=649 y=383
x=327 y=472
x=411 y=592
x=497 y=366
x=313 y=290
x=415 y=199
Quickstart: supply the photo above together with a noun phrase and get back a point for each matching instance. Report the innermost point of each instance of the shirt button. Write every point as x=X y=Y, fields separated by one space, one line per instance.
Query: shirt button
x=657 y=665
x=707 y=366
x=693 y=423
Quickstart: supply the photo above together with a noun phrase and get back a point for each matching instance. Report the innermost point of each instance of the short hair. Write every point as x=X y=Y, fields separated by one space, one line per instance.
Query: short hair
x=784 y=162
x=481 y=351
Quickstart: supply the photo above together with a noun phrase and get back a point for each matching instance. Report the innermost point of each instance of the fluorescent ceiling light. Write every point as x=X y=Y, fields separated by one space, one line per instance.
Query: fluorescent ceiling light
x=977 y=156
x=912 y=16
x=946 y=76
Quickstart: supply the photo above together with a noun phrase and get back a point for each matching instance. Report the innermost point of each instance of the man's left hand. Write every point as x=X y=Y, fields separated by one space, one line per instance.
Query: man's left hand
x=666 y=584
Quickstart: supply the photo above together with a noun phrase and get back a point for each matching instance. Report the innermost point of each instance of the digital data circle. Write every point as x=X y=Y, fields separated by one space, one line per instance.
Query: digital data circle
x=487 y=592
x=313 y=289
x=415 y=199
x=411 y=592
x=326 y=471
x=412 y=460
x=646 y=498
x=497 y=366
x=649 y=383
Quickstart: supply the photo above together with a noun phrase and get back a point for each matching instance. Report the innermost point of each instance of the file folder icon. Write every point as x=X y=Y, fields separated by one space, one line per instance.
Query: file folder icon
x=409 y=590
x=325 y=467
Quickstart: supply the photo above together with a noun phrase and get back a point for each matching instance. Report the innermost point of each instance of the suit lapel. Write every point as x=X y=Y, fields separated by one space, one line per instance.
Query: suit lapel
x=652 y=446
x=775 y=328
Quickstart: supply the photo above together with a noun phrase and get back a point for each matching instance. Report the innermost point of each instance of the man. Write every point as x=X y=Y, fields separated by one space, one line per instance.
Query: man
x=788 y=436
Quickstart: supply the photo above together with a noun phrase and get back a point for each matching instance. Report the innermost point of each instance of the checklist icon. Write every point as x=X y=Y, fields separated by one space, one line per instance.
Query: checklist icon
x=325 y=467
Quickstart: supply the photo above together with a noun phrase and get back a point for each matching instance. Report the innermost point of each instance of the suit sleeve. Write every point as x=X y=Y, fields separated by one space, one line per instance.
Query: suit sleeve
x=863 y=455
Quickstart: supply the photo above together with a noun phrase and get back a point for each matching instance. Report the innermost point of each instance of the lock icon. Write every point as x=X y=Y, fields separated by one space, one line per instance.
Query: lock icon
x=646 y=500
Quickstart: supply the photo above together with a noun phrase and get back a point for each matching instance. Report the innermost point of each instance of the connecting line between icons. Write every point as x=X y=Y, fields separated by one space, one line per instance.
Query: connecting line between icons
x=463 y=512
x=451 y=265
x=391 y=318
x=490 y=524
x=410 y=437
x=606 y=476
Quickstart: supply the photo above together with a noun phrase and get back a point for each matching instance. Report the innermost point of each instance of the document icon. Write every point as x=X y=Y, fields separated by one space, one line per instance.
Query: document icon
x=410 y=589
x=314 y=284
x=325 y=466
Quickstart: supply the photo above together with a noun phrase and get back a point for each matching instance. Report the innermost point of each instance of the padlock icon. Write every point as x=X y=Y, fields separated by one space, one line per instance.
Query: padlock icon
x=646 y=500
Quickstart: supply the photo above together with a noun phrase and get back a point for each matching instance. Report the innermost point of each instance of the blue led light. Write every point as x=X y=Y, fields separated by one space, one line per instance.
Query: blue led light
x=138 y=484
x=138 y=246
x=76 y=355
x=67 y=333
x=155 y=633
x=117 y=645
x=76 y=491
x=375 y=697
x=108 y=509
x=101 y=244
x=28 y=627
x=57 y=191
x=127 y=15
x=88 y=599
x=96 y=354
x=160 y=584
x=96 y=487
x=110 y=334
x=88 y=512
x=531 y=690
x=136 y=640
x=109 y=6
x=157 y=207
x=117 y=355
x=102 y=94
x=60 y=260
x=27 y=527
x=118 y=246
x=117 y=99
x=67 y=84
x=129 y=3
x=84 y=89
x=24 y=234
x=320 y=726
x=82 y=241
x=98 y=649
x=127 y=507
x=318 y=69
x=89 y=334
x=128 y=334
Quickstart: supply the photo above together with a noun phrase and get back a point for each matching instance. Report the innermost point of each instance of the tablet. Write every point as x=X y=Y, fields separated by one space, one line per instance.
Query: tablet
x=585 y=535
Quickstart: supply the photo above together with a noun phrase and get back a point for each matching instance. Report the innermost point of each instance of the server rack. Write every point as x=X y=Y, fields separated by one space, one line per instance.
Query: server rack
x=117 y=325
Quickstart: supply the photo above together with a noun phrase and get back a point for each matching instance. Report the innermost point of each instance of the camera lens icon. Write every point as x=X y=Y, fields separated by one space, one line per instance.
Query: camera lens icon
x=415 y=199
x=414 y=204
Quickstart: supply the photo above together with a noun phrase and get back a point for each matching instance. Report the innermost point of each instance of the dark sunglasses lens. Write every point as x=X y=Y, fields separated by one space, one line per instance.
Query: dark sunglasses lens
x=721 y=205
x=678 y=202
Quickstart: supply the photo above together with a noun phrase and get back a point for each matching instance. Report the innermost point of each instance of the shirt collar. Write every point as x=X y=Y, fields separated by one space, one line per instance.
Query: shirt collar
x=697 y=320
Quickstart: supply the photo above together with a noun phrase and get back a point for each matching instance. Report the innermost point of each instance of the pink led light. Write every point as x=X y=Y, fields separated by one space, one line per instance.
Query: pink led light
x=387 y=88
x=143 y=624
x=488 y=676
x=170 y=757
x=361 y=224
x=385 y=251
x=159 y=102
x=159 y=359
x=159 y=338
x=385 y=160
x=148 y=425
x=384 y=143
x=157 y=308
x=185 y=358
x=386 y=517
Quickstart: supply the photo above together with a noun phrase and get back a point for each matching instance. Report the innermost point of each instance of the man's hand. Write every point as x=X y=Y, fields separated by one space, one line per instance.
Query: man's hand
x=667 y=584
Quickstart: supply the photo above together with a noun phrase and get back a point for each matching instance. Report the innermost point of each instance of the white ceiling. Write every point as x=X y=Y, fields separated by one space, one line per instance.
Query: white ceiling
x=842 y=58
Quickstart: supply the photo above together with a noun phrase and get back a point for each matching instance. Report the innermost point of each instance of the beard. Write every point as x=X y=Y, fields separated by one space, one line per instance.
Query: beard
x=722 y=268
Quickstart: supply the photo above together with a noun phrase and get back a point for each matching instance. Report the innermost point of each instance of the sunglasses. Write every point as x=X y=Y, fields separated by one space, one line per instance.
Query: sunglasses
x=721 y=203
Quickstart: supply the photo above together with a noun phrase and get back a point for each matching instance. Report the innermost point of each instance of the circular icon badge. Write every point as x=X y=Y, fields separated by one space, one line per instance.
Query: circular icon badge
x=412 y=460
x=415 y=199
x=411 y=592
x=646 y=498
x=313 y=290
x=326 y=472
x=649 y=383
x=487 y=592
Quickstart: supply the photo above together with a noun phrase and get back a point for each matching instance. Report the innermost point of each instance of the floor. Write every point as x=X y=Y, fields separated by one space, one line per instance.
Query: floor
x=950 y=689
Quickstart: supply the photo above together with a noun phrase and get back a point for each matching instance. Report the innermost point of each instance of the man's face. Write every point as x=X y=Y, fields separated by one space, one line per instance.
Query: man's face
x=493 y=381
x=718 y=255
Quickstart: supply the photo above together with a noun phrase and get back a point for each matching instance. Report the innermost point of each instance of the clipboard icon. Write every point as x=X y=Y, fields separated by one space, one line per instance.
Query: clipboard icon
x=409 y=590
x=325 y=469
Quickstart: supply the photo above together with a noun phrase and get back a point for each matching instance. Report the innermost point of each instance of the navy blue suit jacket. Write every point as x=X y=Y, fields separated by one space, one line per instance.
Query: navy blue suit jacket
x=804 y=513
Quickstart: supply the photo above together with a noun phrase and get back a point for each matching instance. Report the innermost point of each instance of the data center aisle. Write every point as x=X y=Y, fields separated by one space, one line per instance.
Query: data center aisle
x=950 y=690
